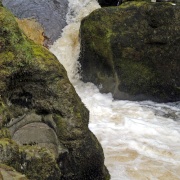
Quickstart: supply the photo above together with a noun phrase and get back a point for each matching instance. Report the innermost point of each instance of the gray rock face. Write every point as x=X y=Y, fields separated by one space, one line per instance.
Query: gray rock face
x=51 y=14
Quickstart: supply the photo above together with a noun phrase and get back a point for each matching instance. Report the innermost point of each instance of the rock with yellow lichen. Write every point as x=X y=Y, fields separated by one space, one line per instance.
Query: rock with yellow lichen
x=51 y=15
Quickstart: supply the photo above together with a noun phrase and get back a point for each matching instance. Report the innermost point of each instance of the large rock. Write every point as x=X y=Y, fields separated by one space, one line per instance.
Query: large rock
x=133 y=51
x=43 y=123
x=51 y=14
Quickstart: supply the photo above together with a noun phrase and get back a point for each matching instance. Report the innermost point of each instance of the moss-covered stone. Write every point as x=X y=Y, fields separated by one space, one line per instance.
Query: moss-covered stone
x=38 y=163
x=34 y=161
x=133 y=50
x=35 y=90
x=4 y=133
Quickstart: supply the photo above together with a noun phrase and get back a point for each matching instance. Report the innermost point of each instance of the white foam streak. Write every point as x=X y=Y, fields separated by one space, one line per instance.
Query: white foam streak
x=138 y=142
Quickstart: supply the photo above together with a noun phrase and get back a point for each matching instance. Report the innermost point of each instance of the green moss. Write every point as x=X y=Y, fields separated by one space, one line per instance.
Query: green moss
x=3 y=114
x=135 y=76
x=17 y=50
x=40 y=163
x=9 y=153
x=61 y=126
x=4 y=133
x=5 y=141
x=44 y=59
x=9 y=29
x=101 y=36
x=136 y=3
x=6 y=58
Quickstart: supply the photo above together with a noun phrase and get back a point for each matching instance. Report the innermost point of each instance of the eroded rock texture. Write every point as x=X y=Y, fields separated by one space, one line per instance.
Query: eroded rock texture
x=133 y=51
x=43 y=123
x=51 y=14
x=8 y=173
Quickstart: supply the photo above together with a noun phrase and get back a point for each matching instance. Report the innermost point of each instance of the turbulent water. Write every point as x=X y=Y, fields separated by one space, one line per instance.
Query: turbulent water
x=141 y=140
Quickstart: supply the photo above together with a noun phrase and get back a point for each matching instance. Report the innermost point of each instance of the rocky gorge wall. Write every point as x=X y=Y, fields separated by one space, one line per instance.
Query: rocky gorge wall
x=43 y=123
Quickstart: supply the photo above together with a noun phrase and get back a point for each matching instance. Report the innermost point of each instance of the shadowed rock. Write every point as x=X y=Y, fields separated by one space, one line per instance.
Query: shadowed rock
x=51 y=14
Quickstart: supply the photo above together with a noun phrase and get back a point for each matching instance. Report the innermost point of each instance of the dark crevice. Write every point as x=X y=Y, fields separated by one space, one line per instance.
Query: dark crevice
x=156 y=43
x=42 y=112
x=22 y=99
x=58 y=112
x=154 y=26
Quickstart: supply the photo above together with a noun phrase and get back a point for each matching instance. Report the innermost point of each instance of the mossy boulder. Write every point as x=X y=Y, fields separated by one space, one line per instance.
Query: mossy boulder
x=133 y=51
x=35 y=92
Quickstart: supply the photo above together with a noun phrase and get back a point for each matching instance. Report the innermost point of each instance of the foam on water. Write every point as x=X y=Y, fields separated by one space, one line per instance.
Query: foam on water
x=141 y=140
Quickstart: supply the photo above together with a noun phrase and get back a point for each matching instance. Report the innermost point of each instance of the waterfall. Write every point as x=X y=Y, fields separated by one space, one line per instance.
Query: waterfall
x=141 y=140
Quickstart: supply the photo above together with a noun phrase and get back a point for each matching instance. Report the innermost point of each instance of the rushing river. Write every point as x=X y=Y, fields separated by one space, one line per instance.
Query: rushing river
x=141 y=140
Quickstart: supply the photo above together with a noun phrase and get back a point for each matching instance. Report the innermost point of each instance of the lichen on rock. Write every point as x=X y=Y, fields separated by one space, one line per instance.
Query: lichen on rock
x=32 y=29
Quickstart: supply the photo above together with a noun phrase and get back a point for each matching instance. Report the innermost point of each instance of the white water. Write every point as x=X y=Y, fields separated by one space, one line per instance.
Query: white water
x=141 y=140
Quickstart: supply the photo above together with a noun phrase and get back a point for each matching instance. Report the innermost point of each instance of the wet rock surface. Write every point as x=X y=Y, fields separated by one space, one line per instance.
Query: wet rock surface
x=133 y=51
x=51 y=14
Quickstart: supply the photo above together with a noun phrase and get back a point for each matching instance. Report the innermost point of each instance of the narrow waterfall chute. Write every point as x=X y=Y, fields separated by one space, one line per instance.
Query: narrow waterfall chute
x=141 y=140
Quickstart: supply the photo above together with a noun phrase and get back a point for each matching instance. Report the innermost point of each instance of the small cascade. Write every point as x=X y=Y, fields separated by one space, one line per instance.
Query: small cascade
x=141 y=140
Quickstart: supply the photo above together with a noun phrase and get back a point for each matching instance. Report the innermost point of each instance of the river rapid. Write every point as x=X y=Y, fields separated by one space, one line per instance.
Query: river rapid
x=141 y=140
